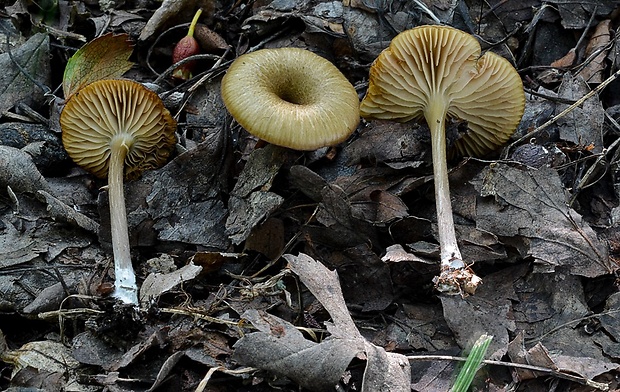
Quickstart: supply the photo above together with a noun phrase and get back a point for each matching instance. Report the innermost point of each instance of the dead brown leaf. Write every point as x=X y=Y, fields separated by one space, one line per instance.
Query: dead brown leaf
x=282 y=349
x=531 y=203
x=596 y=53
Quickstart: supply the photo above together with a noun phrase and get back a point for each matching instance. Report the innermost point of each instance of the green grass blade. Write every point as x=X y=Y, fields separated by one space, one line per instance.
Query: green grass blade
x=474 y=359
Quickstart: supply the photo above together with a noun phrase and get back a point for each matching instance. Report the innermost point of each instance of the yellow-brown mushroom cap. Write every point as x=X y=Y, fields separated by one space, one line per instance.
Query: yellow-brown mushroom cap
x=291 y=97
x=426 y=61
x=105 y=109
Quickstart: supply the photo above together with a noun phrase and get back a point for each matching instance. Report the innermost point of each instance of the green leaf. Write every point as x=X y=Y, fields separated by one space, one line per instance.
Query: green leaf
x=105 y=57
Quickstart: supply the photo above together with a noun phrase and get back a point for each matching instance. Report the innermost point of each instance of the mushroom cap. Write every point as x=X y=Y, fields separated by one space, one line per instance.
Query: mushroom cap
x=97 y=113
x=430 y=61
x=291 y=97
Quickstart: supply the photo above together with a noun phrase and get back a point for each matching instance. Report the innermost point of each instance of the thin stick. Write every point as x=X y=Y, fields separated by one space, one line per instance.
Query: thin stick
x=570 y=377
x=564 y=112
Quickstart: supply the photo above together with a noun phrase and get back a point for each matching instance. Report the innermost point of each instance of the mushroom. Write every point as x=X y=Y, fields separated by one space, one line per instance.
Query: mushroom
x=291 y=97
x=438 y=73
x=110 y=124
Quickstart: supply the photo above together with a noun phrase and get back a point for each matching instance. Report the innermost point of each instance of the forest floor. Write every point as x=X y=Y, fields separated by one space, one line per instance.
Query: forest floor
x=263 y=268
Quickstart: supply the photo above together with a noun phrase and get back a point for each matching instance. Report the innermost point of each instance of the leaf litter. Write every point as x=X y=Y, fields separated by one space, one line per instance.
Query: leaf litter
x=225 y=304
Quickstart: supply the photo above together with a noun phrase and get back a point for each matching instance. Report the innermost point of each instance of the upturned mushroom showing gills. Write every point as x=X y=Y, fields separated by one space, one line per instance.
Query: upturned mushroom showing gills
x=291 y=97
x=436 y=73
x=118 y=128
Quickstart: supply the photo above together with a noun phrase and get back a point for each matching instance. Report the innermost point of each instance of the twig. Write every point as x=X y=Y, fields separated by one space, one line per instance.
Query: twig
x=540 y=369
x=174 y=66
x=199 y=315
x=149 y=52
x=591 y=170
x=564 y=112
x=203 y=383
x=427 y=11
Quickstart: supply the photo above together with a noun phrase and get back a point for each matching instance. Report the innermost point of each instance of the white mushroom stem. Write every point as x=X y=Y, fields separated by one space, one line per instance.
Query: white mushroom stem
x=435 y=115
x=125 y=287
x=454 y=277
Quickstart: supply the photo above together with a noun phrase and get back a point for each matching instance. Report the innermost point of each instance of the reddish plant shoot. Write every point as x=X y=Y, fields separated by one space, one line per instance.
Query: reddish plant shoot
x=186 y=47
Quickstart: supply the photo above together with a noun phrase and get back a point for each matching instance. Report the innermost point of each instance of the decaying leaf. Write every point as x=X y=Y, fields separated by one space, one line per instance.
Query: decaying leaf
x=251 y=202
x=596 y=53
x=182 y=199
x=157 y=284
x=19 y=172
x=59 y=210
x=583 y=126
x=610 y=318
x=168 y=10
x=489 y=311
x=395 y=144
x=87 y=348
x=280 y=348
x=45 y=355
x=105 y=57
x=531 y=204
x=16 y=248
x=577 y=16
x=366 y=280
x=539 y=355
x=245 y=214
x=34 y=58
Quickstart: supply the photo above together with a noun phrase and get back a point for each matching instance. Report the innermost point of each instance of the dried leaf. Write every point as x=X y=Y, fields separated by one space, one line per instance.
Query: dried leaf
x=19 y=172
x=598 y=46
x=209 y=40
x=583 y=126
x=531 y=204
x=105 y=57
x=45 y=355
x=169 y=9
x=280 y=348
x=566 y=61
x=157 y=284
x=15 y=86
x=59 y=210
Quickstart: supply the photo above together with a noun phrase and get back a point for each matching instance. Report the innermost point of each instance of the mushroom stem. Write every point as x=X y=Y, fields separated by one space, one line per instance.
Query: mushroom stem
x=454 y=277
x=125 y=287
x=450 y=254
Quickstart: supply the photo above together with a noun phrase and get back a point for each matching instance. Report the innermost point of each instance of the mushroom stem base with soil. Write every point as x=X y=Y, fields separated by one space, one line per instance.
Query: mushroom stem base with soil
x=455 y=277
x=125 y=287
